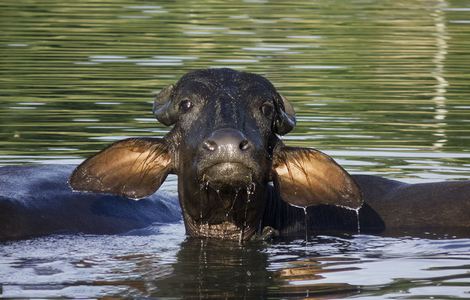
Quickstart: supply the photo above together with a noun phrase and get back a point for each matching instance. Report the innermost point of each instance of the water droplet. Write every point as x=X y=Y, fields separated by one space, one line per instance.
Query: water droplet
x=356 y=210
x=358 y=221
x=304 y=208
x=237 y=191
x=204 y=183
x=306 y=224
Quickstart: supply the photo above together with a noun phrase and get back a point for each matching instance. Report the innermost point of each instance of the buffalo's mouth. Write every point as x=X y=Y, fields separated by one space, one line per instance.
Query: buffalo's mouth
x=227 y=175
x=228 y=206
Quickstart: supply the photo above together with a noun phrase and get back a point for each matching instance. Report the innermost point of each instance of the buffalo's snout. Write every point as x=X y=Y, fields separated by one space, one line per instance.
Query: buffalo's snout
x=229 y=141
x=227 y=158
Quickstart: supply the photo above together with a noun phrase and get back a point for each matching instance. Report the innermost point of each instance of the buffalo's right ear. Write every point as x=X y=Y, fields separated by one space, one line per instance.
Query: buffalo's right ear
x=134 y=168
x=164 y=108
x=307 y=177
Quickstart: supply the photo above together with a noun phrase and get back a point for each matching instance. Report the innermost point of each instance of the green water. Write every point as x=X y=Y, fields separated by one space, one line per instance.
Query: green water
x=364 y=75
x=382 y=86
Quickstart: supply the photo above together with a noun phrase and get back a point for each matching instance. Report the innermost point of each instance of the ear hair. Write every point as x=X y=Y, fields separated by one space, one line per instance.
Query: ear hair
x=134 y=168
x=307 y=177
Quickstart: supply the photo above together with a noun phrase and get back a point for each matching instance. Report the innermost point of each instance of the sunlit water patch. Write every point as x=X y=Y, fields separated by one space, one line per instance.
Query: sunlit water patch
x=160 y=261
x=382 y=86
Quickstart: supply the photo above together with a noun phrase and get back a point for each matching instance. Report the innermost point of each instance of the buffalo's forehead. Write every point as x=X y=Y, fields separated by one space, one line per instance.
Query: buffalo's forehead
x=233 y=84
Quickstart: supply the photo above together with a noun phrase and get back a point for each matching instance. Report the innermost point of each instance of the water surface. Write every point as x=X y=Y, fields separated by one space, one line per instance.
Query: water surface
x=382 y=86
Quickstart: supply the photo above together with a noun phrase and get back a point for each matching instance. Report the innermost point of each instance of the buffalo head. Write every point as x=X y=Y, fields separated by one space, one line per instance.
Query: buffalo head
x=225 y=148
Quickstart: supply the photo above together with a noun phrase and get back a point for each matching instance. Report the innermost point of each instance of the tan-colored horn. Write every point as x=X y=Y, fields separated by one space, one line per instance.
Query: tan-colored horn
x=163 y=107
x=285 y=120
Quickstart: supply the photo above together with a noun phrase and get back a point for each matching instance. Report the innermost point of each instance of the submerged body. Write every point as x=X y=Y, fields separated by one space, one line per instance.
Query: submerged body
x=36 y=200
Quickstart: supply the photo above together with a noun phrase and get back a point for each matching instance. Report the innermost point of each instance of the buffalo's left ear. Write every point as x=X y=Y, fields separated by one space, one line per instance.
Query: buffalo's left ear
x=307 y=177
x=133 y=168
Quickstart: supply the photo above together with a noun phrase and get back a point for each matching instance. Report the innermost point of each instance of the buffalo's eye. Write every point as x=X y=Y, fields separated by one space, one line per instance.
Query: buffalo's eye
x=267 y=109
x=185 y=105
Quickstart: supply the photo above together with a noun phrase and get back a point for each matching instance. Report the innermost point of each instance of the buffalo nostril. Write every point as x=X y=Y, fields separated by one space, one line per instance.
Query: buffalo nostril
x=210 y=145
x=244 y=145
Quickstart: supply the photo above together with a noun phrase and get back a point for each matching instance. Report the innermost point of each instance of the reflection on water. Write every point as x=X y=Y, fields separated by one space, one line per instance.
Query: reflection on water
x=360 y=74
x=86 y=58
x=380 y=85
x=161 y=262
x=442 y=84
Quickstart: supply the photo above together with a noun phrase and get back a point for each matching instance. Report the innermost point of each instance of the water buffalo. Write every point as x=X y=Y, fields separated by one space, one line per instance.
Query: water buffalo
x=236 y=178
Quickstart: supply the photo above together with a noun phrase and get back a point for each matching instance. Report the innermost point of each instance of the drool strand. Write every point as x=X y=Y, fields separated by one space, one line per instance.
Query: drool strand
x=250 y=190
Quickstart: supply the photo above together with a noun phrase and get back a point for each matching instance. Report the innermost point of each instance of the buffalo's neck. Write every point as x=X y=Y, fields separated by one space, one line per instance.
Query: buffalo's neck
x=227 y=214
